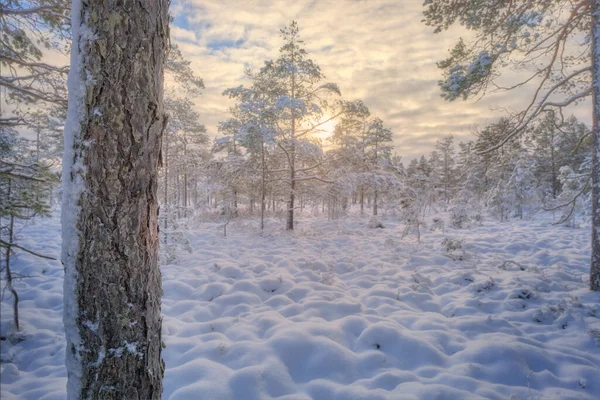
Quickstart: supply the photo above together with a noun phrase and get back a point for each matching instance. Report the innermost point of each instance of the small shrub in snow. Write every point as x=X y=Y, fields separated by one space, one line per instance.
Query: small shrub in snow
x=454 y=249
x=452 y=244
x=375 y=223
x=508 y=265
x=523 y=294
x=421 y=284
x=477 y=218
x=437 y=224
x=549 y=313
x=467 y=277
x=459 y=217
x=485 y=286
x=173 y=241
x=418 y=278
x=465 y=214
x=329 y=276
x=595 y=334
x=560 y=313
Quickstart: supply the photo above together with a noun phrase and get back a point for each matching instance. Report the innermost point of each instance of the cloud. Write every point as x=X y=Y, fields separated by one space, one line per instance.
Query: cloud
x=181 y=34
x=375 y=50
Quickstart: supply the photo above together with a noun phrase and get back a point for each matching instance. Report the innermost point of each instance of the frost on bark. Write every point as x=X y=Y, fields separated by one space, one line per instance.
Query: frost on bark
x=110 y=230
x=595 y=262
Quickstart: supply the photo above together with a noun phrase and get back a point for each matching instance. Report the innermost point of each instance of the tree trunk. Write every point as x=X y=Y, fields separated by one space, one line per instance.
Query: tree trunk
x=362 y=200
x=195 y=190
x=185 y=179
x=595 y=261
x=37 y=143
x=290 y=216
x=9 y=277
x=292 y=159
x=166 y=189
x=235 y=194
x=375 y=194
x=8 y=272
x=177 y=201
x=555 y=183
x=110 y=225
x=262 y=187
x=375 y=203
x=185 y=194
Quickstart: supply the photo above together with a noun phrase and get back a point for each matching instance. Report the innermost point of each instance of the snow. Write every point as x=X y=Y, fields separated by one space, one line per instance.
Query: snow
x=337 y=310
x=72 y=184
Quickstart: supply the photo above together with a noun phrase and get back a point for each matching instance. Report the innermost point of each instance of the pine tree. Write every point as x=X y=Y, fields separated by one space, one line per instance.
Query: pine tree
x=291 y=92
x=445 y=147
x=364 y=153
x=521 y=185
x=25 y=190
x=377 y=142
x=574 y=194
x=109 y=216
x=30 y=28
x=470 y=181
x=532 y=36
x=350 y=138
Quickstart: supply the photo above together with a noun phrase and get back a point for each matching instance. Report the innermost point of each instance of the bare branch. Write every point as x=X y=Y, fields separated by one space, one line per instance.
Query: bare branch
x=9 y=245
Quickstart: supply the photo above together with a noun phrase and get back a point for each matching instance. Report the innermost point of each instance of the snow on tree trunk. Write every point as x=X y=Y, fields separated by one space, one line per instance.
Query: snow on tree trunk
x=109 y=213
x=595 y=262
x=290 y=214
x=375 y=203
x=292 y=157
x=262 y=185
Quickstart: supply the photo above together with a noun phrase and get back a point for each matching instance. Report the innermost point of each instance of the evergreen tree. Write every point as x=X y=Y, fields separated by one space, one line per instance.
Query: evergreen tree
x=28 y=30
x=378 y=141
x=292 y=91
x=110 y=205
x=531 y=36
x=445 y=147
x=25 y=190
x=521 y=185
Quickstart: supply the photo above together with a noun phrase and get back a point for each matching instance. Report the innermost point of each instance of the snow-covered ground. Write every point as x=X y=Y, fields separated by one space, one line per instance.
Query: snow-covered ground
x=337 y=310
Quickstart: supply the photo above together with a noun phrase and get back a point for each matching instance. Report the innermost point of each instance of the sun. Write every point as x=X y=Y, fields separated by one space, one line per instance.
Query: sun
x=325 y=131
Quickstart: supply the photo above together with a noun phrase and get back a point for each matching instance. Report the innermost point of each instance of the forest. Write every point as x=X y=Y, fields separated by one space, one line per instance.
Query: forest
x=290 y=246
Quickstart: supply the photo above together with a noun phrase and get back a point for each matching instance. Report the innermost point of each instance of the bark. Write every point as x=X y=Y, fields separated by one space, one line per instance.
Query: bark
x=177 y=202
x=194 y=190
x=595 y=261
x=37 y=143
x=9 y=277
x=166 y=188
x=362 y=200
x=375 y=194
x=185 y=179
x=185 y=194
x=113 y=321
x=446 y=177
x=555 y=182
x=262 y=187
x=290 y=216
x=235 y=194
x=292 y=158
x=375 y=203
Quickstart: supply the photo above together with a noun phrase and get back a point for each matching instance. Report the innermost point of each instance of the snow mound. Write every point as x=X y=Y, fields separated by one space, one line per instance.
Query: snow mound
x=341 y=311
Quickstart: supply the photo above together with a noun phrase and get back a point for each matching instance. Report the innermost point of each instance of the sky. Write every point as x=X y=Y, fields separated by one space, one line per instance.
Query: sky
x=378 y=51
